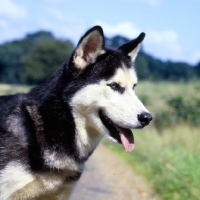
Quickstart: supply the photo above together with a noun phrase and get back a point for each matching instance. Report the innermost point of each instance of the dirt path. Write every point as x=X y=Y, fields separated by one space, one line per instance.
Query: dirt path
x=108 y=177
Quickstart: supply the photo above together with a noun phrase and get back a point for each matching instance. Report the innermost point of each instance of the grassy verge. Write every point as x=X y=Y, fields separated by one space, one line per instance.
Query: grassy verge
x=154 y=94
x=171 y=161
x=6 y=89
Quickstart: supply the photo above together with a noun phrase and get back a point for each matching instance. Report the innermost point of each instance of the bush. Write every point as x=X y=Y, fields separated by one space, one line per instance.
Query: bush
x=164 y=119
x=180 y=110
x=185 y=110
x=145 y=99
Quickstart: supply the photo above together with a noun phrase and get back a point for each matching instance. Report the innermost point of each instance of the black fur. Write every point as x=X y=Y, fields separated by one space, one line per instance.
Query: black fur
x=129 y=46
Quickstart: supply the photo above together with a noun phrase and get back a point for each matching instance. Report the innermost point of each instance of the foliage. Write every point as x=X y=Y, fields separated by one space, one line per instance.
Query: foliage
x=32 y=59
x=185 y=109
x=44 y=58
x=116 y=41
x=181 y=110
x=171 y=103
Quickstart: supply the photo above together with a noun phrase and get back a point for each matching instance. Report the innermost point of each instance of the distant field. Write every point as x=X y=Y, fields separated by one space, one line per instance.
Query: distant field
x=153 y=94
x=12 y=89
x=169 y=160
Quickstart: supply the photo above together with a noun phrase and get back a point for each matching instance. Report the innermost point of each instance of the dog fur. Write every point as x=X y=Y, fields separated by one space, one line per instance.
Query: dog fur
x=47 y=134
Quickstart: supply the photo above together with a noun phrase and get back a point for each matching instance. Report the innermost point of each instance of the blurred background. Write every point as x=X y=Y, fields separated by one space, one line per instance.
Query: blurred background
x=37 y=36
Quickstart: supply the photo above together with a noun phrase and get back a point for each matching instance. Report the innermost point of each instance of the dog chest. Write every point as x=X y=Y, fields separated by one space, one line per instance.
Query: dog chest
x=19 y=184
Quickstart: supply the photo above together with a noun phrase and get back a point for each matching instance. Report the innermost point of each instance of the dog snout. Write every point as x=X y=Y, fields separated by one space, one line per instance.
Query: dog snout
x=145 y=118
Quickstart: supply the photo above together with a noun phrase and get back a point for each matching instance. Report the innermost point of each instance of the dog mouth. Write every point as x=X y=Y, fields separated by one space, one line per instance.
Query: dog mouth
x=122 y=135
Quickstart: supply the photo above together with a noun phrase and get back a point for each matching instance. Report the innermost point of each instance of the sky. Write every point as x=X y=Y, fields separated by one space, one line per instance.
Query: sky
x=172 y=27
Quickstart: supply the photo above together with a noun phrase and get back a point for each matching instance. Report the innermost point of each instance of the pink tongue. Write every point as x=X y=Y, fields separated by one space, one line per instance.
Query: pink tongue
x=127 y=139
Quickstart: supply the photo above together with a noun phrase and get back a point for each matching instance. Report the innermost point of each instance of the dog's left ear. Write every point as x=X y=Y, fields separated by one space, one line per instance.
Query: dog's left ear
x=89 y=47
x=131 y=48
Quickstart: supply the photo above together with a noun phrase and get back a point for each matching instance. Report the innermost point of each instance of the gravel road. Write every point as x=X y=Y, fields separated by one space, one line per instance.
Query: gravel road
x=108 y=177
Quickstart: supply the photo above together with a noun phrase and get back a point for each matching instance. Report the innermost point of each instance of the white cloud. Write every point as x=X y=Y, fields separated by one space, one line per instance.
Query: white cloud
x=166 y=45
x=163 y=44
x=12 y=10
x=127 y=29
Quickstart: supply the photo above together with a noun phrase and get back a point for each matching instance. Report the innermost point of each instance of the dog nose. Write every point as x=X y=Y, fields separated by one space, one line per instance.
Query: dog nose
x=145 y=118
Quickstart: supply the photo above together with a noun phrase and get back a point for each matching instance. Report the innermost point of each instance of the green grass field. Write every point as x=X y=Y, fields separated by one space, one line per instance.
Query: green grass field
x=169 y=160
x=12 y=89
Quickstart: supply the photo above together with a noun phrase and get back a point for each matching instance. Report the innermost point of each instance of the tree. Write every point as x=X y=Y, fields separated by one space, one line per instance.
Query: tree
x=44 y=58
x=142 y=67
x=10 y=54
x=32 y=59
x=116 y=41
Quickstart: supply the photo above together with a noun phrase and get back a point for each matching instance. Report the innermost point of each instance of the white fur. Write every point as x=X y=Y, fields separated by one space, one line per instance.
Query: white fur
x=15 y=125
x=9 y=178
x=30 y=186
x=122 y=109
x=55 y=160
x=134 y=52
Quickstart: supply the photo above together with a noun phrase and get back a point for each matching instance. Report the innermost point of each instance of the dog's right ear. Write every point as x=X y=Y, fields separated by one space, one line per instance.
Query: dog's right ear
x=89 y=47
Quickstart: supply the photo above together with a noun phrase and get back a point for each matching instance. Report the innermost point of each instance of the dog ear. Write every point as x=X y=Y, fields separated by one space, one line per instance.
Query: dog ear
x=89 y=47
x=131 y=48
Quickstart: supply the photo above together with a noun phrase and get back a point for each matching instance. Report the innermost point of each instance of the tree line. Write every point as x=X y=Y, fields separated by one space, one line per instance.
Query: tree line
x=32 y=59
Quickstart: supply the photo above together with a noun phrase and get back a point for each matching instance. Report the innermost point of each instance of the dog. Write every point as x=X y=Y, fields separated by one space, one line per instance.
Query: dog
x=48 y=134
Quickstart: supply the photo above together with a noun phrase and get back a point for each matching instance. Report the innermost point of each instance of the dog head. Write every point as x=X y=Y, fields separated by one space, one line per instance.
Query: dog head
x=101 y=93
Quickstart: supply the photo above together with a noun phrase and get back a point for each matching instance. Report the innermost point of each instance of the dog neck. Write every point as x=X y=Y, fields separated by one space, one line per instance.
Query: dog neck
x=87 y=137
x=76 y=143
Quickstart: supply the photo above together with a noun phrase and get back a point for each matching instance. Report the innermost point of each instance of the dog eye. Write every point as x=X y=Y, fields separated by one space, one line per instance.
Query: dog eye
x=116 y=87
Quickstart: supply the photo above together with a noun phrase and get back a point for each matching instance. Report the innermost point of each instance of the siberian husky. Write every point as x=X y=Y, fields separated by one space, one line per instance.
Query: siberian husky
x=47 y=135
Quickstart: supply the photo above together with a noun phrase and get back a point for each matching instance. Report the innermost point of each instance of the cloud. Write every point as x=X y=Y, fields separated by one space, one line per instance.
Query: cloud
x=163 y=44
x=166 y=45
x=12 y=18
x=127 y=29
x=12 y=10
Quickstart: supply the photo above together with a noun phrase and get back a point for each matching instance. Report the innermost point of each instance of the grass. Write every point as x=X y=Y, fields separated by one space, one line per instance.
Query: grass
x=153 y=95
x=171 y=160
x=6 y=89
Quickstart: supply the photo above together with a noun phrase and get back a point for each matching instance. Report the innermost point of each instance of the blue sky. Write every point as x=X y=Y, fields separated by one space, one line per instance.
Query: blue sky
x=172 y=27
